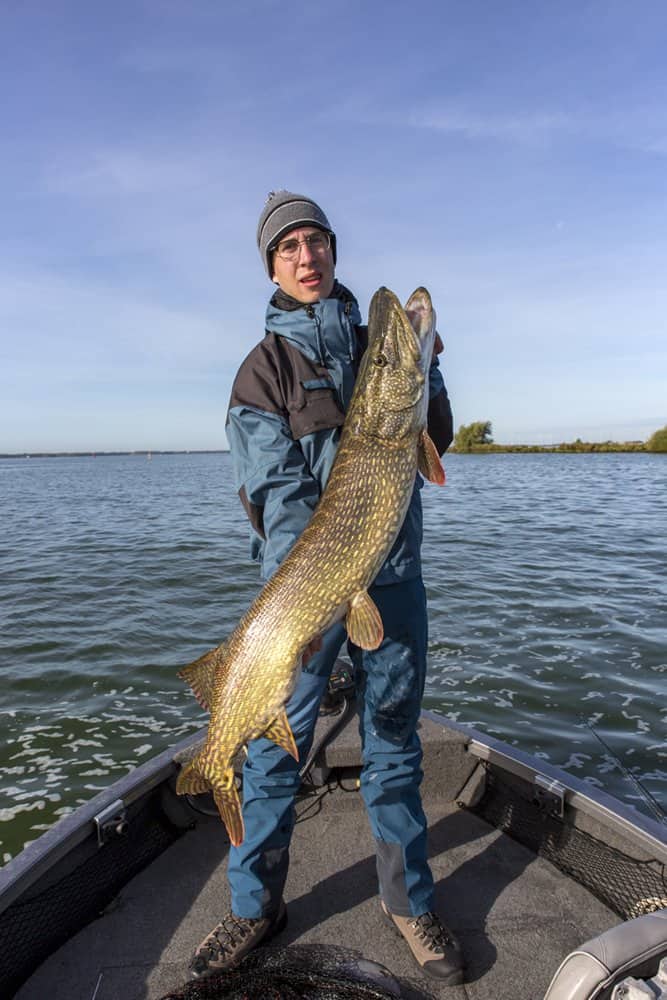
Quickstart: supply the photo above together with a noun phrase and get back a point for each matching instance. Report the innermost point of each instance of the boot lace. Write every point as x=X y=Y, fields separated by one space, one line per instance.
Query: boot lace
x=226 y=937
x=431 y=932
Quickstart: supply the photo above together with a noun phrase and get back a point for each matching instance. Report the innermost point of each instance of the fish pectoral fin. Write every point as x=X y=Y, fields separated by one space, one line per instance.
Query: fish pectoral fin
x=190 y=781
x=203 y=673
x=281 y=733
x=363 y=622
x=428 y=460
x=228 y=802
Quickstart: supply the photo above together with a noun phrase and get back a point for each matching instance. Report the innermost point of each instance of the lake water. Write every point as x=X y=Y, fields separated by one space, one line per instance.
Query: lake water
x=546 y=577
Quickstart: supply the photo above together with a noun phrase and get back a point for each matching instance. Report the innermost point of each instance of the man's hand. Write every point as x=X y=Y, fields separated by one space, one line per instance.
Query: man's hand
x=314 y=646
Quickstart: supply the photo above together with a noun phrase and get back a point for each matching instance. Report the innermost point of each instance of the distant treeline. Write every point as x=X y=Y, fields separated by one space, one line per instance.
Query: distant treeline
x=477 y=438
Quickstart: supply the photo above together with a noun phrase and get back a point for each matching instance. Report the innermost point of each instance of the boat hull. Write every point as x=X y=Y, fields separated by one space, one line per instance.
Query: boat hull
x=528 y=816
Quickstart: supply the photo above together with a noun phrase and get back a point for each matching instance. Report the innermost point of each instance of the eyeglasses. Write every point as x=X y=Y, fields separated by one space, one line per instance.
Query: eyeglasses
x=317 y=243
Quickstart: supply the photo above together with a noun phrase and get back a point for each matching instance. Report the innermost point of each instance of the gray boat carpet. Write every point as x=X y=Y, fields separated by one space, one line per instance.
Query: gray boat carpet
x=516 y=915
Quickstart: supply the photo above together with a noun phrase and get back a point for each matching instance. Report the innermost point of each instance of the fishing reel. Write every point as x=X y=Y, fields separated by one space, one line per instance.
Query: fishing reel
x=340 y=689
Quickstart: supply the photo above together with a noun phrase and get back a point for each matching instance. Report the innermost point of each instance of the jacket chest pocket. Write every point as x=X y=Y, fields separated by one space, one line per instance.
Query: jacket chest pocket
x=315 y=408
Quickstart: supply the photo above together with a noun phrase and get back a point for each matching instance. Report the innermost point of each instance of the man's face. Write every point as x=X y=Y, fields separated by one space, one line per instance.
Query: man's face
x=310 y=276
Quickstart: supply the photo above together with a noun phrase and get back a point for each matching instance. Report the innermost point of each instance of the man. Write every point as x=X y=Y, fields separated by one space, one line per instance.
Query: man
x=286 y=410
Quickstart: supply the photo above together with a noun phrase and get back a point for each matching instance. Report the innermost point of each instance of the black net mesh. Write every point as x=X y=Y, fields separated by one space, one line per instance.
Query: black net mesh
x=32 y=928
x=315 y=972
x=629 y=886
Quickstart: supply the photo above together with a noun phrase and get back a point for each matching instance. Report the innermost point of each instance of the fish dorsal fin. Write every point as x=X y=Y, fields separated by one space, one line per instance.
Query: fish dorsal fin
x=281 y=733
x=363 y=622
x=204 y=672
x=428 y=460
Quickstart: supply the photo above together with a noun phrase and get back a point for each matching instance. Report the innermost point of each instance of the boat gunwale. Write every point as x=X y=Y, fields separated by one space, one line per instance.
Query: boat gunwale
x=42 y=854
x=580 y=795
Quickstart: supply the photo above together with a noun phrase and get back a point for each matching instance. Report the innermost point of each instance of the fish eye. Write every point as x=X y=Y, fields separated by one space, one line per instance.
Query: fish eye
x=380 y=361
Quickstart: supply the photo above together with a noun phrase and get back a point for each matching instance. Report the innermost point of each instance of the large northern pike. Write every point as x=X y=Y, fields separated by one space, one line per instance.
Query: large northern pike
x=246 y=681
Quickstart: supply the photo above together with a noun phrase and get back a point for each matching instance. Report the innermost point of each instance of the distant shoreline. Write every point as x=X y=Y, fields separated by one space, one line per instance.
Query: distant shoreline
x=573 y=448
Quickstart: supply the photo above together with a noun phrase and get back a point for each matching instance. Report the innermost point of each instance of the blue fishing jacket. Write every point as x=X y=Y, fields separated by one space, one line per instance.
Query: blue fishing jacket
x=285 y=414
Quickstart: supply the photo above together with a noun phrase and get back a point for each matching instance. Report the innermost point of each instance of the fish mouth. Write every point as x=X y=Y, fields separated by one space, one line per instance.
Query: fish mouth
x=421 y=314
x=406 y=334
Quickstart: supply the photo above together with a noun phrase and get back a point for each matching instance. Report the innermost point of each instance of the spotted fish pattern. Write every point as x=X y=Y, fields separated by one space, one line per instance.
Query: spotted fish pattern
x=246 y=681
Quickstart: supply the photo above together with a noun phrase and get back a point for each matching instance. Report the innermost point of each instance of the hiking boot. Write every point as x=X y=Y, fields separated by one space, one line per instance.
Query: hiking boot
x=433 y=945
x=232 y=939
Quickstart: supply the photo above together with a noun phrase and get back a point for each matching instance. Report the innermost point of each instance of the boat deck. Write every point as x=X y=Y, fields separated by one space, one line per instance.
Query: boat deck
x=516 y=915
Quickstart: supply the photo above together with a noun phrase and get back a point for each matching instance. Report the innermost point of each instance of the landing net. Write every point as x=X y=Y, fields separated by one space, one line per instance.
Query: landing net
x=299 y=972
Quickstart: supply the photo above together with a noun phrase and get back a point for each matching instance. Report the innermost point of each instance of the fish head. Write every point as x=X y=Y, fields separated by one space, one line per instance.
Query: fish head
x=391 y=392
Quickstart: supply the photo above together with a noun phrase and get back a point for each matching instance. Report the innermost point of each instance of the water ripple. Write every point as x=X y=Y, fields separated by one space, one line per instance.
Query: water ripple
x=547 y=595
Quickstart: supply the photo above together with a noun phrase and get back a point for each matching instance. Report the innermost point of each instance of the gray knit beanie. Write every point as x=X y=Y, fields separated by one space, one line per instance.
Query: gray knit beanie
x=283 y=211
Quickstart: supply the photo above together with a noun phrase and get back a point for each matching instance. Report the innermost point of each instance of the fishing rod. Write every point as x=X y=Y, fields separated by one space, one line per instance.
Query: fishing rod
x=649 y=799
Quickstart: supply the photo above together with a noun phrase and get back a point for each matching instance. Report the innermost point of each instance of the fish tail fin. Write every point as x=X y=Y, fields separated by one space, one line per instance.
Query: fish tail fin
x=191 y=781
x=229 y=806
x=201 y=675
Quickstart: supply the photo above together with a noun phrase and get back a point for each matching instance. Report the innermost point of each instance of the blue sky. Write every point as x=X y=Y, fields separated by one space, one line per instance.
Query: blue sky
x=510 y=156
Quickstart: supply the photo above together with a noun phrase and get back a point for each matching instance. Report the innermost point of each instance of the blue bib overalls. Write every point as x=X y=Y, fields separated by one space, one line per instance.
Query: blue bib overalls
x=390 y=686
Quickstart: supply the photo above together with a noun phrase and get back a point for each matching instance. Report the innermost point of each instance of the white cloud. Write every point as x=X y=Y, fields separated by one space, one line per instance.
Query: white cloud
x=519 y=127
x=642 y=128
x=126 y=172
